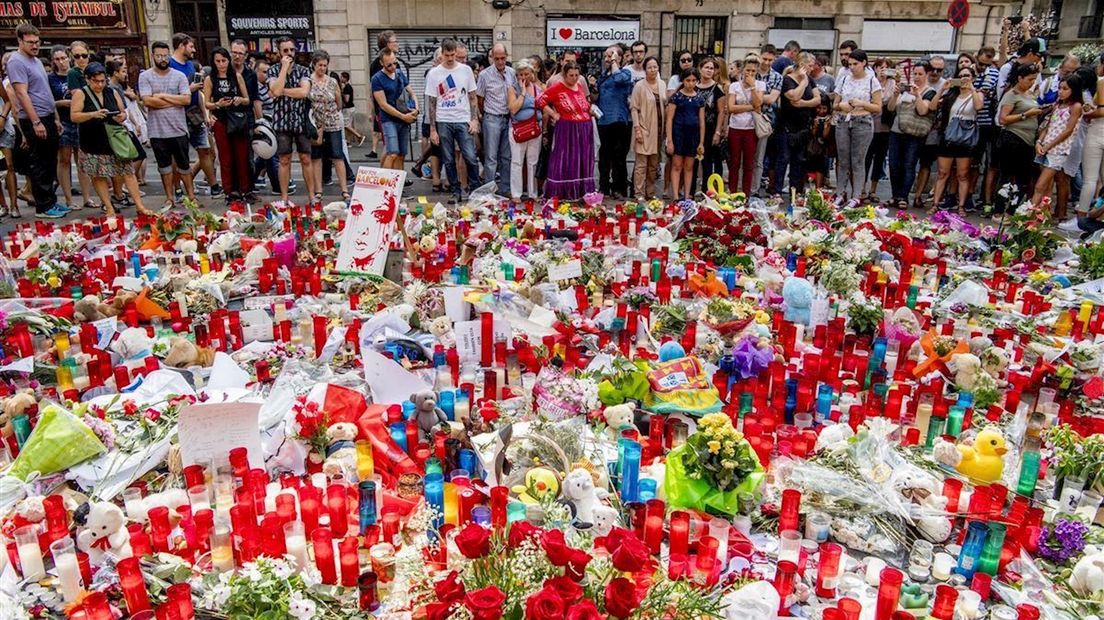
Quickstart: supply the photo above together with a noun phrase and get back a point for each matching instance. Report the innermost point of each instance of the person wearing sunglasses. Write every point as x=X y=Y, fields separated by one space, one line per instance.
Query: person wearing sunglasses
x=37 y=121
x=70 y=135
x=685 y=61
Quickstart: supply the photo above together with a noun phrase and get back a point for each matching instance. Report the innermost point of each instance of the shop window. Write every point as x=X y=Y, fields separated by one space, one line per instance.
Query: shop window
x=804 y=23
x=703 y=36
x=198 y=18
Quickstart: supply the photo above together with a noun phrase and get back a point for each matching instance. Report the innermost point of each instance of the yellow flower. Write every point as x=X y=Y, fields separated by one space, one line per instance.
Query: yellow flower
x=714 y=446
x=762 y=317
x=810 y=251
x=727 y=464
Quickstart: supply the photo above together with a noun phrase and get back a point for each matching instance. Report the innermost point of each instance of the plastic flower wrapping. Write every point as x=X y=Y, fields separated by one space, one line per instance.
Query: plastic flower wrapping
x=725 y=408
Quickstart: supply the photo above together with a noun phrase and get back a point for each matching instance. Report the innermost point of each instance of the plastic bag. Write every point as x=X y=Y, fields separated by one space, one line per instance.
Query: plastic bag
x=59 y=441
x=631 y=385
x=686 y=492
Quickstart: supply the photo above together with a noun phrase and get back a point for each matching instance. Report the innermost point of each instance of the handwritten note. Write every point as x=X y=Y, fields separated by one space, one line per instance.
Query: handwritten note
x=469 y=338
x=211 y=431
x=390 y=382
x=565 y=271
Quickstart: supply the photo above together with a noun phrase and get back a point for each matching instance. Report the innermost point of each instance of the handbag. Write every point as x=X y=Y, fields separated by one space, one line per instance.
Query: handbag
x=910 y=123
x=763 y=126
x=237 y=119
x=528 y=129
x=117 y=135
x=962 y=132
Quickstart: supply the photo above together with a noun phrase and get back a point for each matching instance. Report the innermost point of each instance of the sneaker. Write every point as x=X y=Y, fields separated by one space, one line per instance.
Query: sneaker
x=216 y=190
x=373 y=155
x=1069 y=225
x=259 y=186
x=455 y=198
x=178 y=195
x=408 y=183
x=55 y=212
x=196 y=183
x=329 y=183
x=291 y=189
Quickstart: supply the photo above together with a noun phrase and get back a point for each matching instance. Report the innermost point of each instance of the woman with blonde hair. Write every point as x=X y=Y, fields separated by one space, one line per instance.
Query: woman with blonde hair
x=745 y=97
x=522 y=103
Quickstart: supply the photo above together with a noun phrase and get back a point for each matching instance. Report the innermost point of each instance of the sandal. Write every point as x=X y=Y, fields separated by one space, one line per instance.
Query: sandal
x=437 y=189
x=317 y=197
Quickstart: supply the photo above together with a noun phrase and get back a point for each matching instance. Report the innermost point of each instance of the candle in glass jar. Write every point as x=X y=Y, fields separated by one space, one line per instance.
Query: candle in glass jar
x=322 y=542
x=369 y=598
x=68 y=569
x=680 y=532
x=133 y=585
x=222 y=553
x=296 y=542
x=338 y=508
x=30 y=554
x=350 y=563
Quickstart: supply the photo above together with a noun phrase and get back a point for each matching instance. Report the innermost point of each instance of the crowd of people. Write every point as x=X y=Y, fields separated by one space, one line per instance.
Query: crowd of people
x=81 y=109
x=981 y=134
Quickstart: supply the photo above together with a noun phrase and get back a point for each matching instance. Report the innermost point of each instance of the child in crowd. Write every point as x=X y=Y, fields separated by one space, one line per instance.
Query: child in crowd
x=685 y=132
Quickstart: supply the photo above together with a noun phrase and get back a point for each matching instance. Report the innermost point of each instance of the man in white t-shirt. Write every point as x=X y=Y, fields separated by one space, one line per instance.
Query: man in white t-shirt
x=453 y=116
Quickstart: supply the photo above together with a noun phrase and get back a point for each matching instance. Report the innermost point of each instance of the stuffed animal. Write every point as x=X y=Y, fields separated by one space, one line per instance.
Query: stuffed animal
x=118 y=303
x=925 y=496
x=539 y=481
x=132 y=343
x=580 y=492
x=994 y=361
x=186 y=246
x=605 y=519
x=104 y=532
x=341 y=454
x=619 y=417
x=171 y=498
x=12 y=406
x=984 y=461
x=1088 y=575
x=183 y=353
x=441 y=327
x=426 y=412
x=798 y=294
x=87 y=309
x=965 y=367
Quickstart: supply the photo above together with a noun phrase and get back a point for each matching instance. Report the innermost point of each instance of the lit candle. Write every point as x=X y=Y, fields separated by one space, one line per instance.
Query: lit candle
x=680 y=532
x=338 y=508
x=68 y=569
x=296 y=543
x=222 y=553
x=322 y=542
x=828 y=570
x=30 y=554
x=133 y=585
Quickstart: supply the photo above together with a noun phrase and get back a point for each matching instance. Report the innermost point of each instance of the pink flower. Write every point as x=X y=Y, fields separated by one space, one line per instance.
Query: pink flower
x=153 y=415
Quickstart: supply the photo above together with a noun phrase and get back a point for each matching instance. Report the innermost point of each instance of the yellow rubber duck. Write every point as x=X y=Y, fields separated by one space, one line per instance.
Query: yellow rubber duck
x=982 y=461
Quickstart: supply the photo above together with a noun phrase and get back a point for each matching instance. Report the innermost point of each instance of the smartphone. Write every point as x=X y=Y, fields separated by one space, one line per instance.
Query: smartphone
x=891 y=73
x=954 y=83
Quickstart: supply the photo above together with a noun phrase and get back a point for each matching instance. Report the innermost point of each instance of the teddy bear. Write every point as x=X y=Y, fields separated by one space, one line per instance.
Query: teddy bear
x=927 y=505
x=183 y=353
x=104 y=532
x=798 y=294
x=605 y=519
x=186 y=246
x=441 y=328
x=427 y=414
x=12 y=406
x=341 y=454
x=118 y=303
x=132 y=343
x=994 y=361
x=1088 y=575
x=965 y=367
x=618 y=417
x=87 y=309
x=580 y=492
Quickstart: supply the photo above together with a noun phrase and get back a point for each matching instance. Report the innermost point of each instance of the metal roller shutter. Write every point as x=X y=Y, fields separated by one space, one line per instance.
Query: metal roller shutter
x=416 y=48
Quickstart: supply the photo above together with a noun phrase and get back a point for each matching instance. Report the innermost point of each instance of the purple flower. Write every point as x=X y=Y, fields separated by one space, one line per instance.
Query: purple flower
x=1066 y=540
x=749 y=360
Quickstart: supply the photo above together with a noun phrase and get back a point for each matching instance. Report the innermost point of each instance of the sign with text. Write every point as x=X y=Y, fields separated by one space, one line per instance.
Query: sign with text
x=590 y=33
x=257 y=26
x=370 y=226
x=209 y=432
x=53 y=14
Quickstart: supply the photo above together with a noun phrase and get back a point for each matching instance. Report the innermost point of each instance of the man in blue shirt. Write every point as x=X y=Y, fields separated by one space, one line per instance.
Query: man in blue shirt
x=398 y=109
x=196 y=113
x=614 y=127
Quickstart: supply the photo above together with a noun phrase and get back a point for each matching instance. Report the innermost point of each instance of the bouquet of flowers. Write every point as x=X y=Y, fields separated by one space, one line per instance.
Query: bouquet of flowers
x=712 y=468
x=273 y=588
x=719 y=237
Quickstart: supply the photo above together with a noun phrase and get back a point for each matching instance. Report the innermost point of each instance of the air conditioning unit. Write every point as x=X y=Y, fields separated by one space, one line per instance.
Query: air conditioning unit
x=1089 y=28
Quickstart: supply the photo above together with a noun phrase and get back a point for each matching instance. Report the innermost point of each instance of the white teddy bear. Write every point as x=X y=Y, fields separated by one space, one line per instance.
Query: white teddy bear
x=104 y=532
x=605 y=519
x=579 y=490
x=965 y=367
x=1088 y=575
x=618 y=417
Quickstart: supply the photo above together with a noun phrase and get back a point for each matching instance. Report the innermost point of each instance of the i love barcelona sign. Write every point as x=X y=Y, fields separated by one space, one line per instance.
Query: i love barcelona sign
x=587 y=33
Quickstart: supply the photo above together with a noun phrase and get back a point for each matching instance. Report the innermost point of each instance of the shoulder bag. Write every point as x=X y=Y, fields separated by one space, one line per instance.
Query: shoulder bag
x=238 y=120
x=117 y=135
x=528 y=129
x=962 y=132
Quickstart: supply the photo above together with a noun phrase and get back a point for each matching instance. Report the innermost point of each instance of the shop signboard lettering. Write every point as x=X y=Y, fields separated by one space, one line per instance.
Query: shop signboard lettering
x=63 y=15
x=264 y=26
x=590 y=33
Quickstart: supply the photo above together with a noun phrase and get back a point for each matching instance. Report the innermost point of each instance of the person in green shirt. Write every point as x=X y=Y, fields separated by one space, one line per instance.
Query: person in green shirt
x=1019 y=116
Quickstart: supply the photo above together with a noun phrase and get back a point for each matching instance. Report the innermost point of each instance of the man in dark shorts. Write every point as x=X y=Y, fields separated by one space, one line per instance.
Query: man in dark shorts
x=289 y=84
x=166 y=94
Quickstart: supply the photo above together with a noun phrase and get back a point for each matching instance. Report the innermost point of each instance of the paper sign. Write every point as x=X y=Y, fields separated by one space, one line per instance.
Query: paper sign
x=542 y=316
x=25 y=364
x=371 y=221
x=565 y=271
x=211 y=431
x=105 y=331
x=390 y=382
x=256 y=325
x=469 y=338
x=265 y=302
x=455 y=306
x=333 y=343
x=226 y=374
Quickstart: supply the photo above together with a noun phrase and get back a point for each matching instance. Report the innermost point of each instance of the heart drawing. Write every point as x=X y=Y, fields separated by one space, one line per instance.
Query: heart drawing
x=565 y=33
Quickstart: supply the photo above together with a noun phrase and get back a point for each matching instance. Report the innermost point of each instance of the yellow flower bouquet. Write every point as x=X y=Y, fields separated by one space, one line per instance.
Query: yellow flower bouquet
x=712 y=468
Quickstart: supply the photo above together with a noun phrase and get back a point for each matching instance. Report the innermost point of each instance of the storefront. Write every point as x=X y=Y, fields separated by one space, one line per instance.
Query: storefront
x=589 y=36
x=110 y=28
x=259 y=31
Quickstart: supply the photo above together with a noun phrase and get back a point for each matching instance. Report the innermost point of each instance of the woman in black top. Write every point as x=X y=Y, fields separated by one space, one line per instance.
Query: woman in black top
x=93 y=108
x=348 y=108
x=225 y=94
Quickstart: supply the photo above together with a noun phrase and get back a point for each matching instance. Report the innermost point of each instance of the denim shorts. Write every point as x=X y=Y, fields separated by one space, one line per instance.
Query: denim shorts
x=198 y=137
x=396 y=138
x=331 y=146
x=70 y=135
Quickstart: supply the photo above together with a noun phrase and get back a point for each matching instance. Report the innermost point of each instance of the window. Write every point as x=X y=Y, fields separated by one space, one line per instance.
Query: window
x=804 y=23
x=703 y=36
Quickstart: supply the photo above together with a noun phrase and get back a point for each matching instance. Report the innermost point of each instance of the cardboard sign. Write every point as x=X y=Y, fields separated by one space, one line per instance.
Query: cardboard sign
x=469 y=338
x=211 y=431
x=565 y=271
x=373 y=209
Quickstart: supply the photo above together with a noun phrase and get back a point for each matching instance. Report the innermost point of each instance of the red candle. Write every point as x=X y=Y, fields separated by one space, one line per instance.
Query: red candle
x=95 y=607
x=180 y=595
x=828 y=570
x=139 y=542
x=1027 y=611
x=889 y=592
x=784 y=577
x=239 y=462
x=322 y=541
x=285 y=507
x=272 y=529
x=486 y=343
x=850 y=607
x=350 y=564
x=680 y=532
x=134 y=587
x=338 y=506
x=653 y=525
x=391 y=526
x=788 y=515
x=369 y=598
x=945 y=597
x=159 y=528
x=309 y=506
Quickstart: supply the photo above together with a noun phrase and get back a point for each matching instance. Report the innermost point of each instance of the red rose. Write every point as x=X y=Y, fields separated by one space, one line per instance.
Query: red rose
x=474 y=541
x=554 y=545
x=585 y=610
x=485 y=604
x=438 y=611
x=621 y=598
x=450 y=589
x=519 y=531
x=568 y=590
x=577 y=563
x=626 y=550
x=545 y=605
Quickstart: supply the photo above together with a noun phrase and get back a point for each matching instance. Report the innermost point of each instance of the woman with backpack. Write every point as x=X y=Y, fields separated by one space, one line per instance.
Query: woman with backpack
x=912 y=103
x=226 y=96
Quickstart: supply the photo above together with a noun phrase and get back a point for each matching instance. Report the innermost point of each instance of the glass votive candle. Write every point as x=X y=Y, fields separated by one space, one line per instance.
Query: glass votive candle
x=968 y=605
x=816 y=526
x=369 y=598
x=68 y=569
x=30 y=554
x=646 y=489
x=134 y=504
x=198 y=498
x=789 y=546
x=874 y=568
x=942 y=564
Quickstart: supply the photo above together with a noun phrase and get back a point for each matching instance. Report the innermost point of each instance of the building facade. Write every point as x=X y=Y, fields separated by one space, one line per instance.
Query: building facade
x=347 y=29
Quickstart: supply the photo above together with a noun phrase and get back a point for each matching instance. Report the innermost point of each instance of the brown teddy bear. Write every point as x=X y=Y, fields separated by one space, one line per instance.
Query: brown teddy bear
x=87 y=309
x=184 y=353
x=118 y=303
x=12 y=406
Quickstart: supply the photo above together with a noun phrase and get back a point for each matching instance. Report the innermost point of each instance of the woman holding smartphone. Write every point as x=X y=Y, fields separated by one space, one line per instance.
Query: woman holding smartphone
x=960 y=105
x=226 y=96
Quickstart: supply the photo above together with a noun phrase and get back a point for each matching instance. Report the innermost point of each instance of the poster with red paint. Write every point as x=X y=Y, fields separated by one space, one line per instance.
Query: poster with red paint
x=370 y=226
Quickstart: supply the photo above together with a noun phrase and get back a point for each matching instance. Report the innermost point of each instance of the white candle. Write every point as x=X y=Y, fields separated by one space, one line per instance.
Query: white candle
x=134 y=504
x=968 y=604
x=30 y=555
x=297 y=548
x=941 y=566
x=68 y=571
x=222 y=554
x=874 y=568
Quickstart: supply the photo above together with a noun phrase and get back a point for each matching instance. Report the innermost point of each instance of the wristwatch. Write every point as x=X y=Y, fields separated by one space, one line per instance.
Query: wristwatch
x=36 y=122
